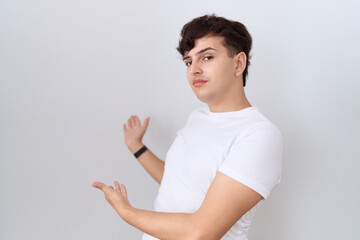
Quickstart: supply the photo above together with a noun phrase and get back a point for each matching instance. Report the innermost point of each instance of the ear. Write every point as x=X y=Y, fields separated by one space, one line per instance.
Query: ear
x=240 y=63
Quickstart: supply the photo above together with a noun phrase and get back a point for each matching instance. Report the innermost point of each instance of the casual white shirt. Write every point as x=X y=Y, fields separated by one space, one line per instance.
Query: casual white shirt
x=242 y=144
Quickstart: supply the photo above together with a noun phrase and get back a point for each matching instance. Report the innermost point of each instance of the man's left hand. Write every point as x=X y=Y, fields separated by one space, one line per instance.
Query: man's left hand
x=117 y=197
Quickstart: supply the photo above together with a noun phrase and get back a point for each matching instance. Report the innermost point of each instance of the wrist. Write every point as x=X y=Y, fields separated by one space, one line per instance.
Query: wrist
x=123 y=210
x=136 y=146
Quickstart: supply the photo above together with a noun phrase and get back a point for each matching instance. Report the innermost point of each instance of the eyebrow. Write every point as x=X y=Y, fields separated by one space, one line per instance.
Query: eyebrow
x=201 y=51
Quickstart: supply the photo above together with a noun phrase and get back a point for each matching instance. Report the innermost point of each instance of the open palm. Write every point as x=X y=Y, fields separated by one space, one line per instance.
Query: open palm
x=134 y=131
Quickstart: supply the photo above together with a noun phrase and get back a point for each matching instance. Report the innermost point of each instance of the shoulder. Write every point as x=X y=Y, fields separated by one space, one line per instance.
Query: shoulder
x=260 y=124
x=265 y=129
x=265 y=134
x=259 y=130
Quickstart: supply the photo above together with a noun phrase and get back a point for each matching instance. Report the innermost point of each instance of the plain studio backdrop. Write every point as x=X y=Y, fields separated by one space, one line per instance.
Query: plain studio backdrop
x=73 y=71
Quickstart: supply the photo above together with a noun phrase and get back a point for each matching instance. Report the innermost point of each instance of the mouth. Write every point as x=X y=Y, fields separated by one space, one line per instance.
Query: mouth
x=199 y=82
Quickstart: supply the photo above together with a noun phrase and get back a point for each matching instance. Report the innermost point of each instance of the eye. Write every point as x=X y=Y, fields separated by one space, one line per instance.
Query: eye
x=207 y=58
x=188 y=63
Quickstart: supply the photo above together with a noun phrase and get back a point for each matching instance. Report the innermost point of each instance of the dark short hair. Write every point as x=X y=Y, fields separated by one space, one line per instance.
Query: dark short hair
x=236 y=37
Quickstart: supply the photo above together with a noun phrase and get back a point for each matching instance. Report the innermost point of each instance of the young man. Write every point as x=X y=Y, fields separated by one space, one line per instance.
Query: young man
x=226 y=159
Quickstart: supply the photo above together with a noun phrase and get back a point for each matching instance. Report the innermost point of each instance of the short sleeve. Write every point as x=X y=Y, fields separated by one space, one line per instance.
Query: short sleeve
x=255 y=159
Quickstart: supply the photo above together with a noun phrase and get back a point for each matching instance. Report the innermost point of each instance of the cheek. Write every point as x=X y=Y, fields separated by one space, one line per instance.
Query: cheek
x=226 y=72
x=188 y=76
x=222 y=76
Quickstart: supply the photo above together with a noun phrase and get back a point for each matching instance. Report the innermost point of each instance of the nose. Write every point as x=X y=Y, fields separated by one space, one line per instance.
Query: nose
x=195 y=68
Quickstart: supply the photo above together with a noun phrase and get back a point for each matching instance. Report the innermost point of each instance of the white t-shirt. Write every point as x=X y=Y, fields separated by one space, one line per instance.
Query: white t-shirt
x=242 y=144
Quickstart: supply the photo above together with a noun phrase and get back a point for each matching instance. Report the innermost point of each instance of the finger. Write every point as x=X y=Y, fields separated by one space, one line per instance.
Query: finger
x=124 y=127
x=99 y=185
x=123 y=190
x=129 y=123
x=133 y=121
x=117 y=187
x=146 y=123
x=137 y=120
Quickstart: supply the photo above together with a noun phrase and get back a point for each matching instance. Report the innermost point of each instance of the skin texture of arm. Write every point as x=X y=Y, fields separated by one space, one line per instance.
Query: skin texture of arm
x=224 y=204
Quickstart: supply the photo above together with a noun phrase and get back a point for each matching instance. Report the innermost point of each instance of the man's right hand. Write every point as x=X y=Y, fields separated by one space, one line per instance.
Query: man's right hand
x=134 y=133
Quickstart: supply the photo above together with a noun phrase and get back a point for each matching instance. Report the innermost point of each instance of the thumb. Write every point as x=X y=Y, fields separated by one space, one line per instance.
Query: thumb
x=146 y=123
x=99 y=185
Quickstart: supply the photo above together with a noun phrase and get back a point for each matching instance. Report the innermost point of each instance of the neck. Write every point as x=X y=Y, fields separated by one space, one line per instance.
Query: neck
x=231 y=103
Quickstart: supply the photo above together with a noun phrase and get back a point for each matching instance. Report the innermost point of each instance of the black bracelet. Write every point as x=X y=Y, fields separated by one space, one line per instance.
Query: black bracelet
x=138 y=153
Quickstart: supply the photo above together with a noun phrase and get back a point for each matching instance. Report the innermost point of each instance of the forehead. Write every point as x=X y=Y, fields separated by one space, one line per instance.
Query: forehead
x=206 y=41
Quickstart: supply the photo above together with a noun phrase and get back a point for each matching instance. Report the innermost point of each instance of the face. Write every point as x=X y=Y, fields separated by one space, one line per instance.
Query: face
x=212 y=74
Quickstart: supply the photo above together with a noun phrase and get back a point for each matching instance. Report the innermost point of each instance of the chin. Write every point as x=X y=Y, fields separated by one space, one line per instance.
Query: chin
x=205 y=98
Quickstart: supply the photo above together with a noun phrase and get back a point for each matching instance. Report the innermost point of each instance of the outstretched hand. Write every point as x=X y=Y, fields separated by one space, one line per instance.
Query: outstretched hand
x=117 y=197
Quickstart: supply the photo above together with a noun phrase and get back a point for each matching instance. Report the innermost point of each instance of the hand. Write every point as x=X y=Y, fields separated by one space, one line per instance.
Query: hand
x=134 y=132
x=117 y=197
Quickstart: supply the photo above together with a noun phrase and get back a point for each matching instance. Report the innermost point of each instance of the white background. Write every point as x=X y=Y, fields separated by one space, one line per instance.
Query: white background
x=73 y=71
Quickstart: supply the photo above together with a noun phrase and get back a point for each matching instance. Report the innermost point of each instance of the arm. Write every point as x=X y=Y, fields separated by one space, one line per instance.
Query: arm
x=151 y=163
x=224 y=204
x=134 y=133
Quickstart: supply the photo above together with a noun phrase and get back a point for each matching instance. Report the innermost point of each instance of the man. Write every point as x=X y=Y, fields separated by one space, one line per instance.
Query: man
x=226 y=159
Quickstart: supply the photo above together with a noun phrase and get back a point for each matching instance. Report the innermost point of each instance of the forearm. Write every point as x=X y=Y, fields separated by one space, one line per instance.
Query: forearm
x=160 y=224
x=151 y=163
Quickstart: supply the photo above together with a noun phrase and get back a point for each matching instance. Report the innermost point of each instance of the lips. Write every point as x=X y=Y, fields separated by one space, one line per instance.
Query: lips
x=198 y=82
